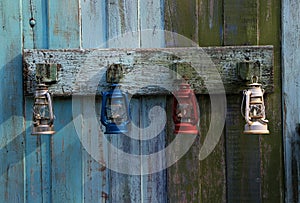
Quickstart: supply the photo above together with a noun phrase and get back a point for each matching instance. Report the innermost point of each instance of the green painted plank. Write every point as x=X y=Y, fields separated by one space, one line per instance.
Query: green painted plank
x=202 y=23
x=212 y=170
x=240 y=22
x=271 y=146
x=242 y=151
x=210 y=23
x=11 y=104
x=184 y=183
x=181 y=19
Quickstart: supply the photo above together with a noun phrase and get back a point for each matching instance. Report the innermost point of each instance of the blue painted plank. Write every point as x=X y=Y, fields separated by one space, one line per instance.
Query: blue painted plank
x=291 y=97
x=35 y=36
x=95 y=179
x=95 y=173
x=38 y=149
x=154 y=185
x=152 y=24
x=66 y=155
x=94 y=19
x=122 y=28
x=122 y=24
x=64 y=24
x=11 y=104
x=64 y=31
x=125 y=187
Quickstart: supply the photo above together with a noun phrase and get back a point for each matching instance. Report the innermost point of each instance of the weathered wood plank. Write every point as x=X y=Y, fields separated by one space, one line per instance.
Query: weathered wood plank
x=291 y=106
x=66 y=168
x=64 y=24
x=212 y=169
x=151 y=24
x=122 y=24
x=123 y=32
x=153 y=183
x=192 y=180
x=38 y=149
x=181 y=19
x=240 y=22
x=210 y=23
x=125 y=187
x=184 y=183
x=80 y=70
x=93 y=19
x=95 y=174
x=153 y=139
x=12 y=126
x=271 y=146
x=242 y=152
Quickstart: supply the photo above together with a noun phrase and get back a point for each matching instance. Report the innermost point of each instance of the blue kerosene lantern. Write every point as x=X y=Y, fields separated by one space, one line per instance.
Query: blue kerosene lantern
x=115 y=111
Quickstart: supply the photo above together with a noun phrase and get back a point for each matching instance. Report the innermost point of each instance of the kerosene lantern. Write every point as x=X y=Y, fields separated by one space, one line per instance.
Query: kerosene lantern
x=255 y=109
x=185 y=110
x=43 y=116
x=115 y=110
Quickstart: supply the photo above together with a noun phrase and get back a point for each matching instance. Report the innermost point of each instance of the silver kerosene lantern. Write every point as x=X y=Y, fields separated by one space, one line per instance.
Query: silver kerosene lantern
x=255 y=115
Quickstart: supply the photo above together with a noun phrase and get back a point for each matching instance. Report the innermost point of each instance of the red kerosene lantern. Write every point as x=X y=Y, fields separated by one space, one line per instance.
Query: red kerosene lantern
x=185 y=110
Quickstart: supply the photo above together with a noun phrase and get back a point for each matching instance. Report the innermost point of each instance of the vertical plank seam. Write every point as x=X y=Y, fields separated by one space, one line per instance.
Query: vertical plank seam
x=257 y=22
x=139 y=25
x=23 y=105
x=223 y=27
x=80 y=23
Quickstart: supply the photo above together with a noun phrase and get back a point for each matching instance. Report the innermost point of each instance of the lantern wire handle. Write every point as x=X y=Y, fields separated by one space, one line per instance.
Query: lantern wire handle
x=242 y=110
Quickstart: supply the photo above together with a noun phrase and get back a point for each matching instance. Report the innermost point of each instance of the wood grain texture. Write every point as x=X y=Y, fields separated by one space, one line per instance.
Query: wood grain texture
x=290 y=55
x=94 y=153
x=243 y=160
x=123 y=32
x=192 y=180
x=271 y=146
x=211 y=31
x=240 y=22
x=213 y=168
x=66 y=168
x=12 y=126
x=153 y=136
x=122 y=24
x=80 y=70
x=38 y=149
x=181 y=19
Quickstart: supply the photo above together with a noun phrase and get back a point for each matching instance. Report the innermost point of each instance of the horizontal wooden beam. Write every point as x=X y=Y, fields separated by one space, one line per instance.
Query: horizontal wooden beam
x=152 y=71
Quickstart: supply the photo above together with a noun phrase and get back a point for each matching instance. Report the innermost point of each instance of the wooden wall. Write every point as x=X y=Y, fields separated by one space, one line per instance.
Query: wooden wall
x=290 y=107
x=58 y=169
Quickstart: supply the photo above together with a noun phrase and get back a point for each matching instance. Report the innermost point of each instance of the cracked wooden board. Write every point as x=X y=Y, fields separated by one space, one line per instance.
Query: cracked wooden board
x=150 y=71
